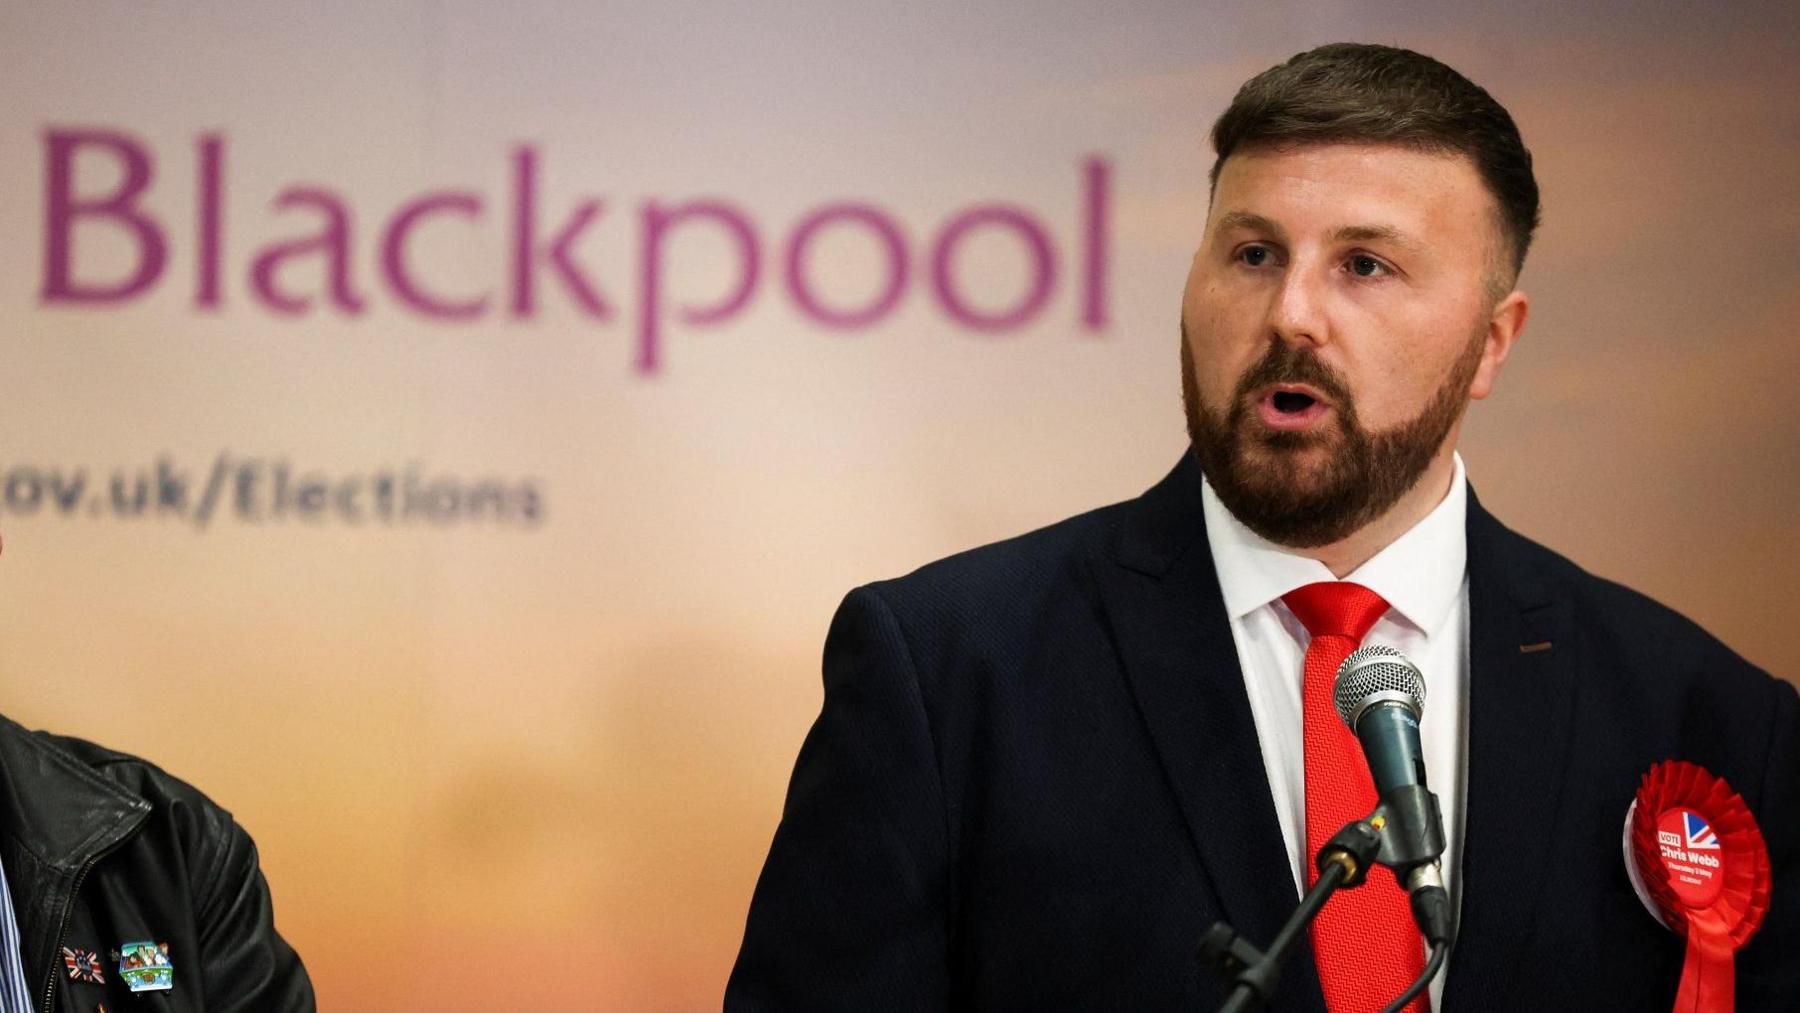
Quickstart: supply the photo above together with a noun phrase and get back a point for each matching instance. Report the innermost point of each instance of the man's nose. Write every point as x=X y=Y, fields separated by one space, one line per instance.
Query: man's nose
x=1297 y=313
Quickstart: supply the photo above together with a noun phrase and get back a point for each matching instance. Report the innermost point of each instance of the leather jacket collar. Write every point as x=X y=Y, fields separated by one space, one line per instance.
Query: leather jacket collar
x=57 y=818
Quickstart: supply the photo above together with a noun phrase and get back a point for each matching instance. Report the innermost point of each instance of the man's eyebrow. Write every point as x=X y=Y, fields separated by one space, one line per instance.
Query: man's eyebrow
x=1252 y=222
x=1371 y=233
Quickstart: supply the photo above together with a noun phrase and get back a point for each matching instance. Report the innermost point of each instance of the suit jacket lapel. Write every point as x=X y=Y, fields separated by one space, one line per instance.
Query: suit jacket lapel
x=1521 y=718
x=1162 y=600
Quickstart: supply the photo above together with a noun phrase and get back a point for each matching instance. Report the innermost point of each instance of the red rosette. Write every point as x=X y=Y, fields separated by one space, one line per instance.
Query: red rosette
x=1698 y=858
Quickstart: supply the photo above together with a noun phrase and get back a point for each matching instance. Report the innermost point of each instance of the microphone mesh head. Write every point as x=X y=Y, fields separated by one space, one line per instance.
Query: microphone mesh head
x=1376 y=672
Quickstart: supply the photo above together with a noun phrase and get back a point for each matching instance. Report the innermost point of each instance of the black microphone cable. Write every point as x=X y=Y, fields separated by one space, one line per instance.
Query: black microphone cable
x=1433 y=964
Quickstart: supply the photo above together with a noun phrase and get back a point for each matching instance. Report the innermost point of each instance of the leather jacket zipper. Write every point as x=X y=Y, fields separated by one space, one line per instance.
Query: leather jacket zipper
x=69 y=909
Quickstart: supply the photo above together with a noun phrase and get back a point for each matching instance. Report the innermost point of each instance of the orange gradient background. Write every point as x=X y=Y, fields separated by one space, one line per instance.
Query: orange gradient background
x=499 y=767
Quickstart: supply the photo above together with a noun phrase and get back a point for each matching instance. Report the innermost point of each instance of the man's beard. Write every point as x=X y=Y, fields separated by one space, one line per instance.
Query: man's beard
x=1305 y=507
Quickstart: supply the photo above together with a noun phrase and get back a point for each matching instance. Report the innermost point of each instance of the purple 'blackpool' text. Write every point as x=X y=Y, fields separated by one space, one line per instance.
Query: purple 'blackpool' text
x=536 y=251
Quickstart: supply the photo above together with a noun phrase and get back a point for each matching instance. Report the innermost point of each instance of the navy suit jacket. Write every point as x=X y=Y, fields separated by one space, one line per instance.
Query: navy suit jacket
x=1035 y=782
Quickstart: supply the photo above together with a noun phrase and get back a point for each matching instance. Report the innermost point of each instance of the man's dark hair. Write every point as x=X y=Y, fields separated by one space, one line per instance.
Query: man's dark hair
x=1350 y=92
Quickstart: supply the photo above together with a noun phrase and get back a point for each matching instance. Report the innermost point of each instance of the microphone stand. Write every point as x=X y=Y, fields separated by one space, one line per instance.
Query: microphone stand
x=1403 y=832
x=1343 y=863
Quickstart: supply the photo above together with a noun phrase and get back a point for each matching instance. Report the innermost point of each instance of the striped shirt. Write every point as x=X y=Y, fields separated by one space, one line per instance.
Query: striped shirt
x=14 y=997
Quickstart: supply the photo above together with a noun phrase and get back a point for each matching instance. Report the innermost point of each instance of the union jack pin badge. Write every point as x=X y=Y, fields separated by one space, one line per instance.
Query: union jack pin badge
x=145 y=966
x=83 y=965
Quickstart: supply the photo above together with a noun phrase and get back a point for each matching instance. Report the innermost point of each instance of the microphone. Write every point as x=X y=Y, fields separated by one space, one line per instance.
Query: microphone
x=1380 y=695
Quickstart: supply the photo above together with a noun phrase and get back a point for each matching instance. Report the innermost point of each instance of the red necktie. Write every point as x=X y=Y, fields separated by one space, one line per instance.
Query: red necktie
x=1364 y=942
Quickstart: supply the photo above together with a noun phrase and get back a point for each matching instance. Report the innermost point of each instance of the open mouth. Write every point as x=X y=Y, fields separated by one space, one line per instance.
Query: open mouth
x=1291 y=402
x=1291 y=407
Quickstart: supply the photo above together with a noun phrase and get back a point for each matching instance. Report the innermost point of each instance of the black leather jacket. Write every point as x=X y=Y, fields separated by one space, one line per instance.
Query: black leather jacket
x=103 y=849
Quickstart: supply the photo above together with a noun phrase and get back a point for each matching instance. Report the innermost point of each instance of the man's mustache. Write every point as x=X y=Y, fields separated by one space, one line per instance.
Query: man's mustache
x=1284 y=363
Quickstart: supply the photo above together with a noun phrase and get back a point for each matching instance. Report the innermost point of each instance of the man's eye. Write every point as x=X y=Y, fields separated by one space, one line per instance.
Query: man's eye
x=1366 y=267
x=1254 y=256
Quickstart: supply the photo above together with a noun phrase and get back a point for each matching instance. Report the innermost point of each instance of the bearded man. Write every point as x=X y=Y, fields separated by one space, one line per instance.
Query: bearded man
x=1045 y=767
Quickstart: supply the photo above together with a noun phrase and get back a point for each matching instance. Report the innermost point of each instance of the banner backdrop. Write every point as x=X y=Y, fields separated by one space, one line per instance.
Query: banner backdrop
x=442 y=431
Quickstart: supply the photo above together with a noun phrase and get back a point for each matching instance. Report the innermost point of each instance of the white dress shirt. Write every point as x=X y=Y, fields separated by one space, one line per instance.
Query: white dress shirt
x=1423 y=576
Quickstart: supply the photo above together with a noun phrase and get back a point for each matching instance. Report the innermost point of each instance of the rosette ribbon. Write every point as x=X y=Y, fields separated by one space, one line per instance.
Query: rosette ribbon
x=1701 y=861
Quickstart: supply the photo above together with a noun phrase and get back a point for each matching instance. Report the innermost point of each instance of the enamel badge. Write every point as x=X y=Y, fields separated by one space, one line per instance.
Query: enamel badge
x=83 y=965
x=1700 y=866
x=145 y=966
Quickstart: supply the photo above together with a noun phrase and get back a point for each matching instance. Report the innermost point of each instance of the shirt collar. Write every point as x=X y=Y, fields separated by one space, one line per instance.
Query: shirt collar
x=1420 y=574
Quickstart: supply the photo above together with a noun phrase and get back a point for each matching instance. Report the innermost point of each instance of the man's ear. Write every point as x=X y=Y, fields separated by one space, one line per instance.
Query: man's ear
x=1505 y=325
